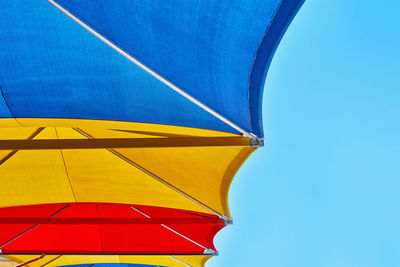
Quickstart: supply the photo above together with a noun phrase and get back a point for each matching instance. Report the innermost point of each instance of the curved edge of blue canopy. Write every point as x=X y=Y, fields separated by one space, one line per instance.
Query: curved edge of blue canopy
x=266 y=50
x=261 y=59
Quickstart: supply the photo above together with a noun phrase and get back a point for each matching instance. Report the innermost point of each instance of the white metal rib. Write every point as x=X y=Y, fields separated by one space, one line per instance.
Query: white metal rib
x=151 y=72
x=226 y=219
x=18 y=236
x=31 y=228
x=184 y=263
x=138 y=211
x=176 y=232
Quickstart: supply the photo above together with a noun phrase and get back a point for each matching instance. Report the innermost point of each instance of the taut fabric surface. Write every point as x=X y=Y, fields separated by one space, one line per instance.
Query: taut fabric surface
x=107 y=143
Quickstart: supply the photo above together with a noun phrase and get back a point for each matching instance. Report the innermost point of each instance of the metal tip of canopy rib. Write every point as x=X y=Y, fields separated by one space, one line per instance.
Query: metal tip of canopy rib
x=228 y=221
x=210 y=252
x=256 y=141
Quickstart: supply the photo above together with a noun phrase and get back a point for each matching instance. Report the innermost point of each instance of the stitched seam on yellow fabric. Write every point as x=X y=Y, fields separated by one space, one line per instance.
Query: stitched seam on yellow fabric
x=66 y=169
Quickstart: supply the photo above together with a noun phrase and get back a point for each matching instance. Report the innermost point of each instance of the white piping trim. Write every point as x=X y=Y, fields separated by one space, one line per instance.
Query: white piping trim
x=175 y=232
x=184 y=263
x=151 y=72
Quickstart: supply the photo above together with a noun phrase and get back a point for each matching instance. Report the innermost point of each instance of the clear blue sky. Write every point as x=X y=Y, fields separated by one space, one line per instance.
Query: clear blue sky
x=325 y=189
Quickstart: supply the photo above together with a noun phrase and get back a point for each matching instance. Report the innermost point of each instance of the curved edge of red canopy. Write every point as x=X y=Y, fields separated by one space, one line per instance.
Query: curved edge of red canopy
x=105 y=228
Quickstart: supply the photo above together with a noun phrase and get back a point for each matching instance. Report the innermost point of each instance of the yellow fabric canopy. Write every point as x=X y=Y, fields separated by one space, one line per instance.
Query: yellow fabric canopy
x=184 y=177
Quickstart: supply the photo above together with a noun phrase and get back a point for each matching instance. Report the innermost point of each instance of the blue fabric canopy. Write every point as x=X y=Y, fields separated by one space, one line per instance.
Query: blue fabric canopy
x=216 y=51
x=56 y=69
x=4 y=112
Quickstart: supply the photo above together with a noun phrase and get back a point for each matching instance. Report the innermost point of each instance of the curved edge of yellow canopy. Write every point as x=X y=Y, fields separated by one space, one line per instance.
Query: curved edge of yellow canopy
x=202 y=173
x=229 y=175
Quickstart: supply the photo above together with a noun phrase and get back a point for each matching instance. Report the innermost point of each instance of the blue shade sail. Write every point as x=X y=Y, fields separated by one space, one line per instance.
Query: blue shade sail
x=217 y=51
x=4 y=111
x=53 y=68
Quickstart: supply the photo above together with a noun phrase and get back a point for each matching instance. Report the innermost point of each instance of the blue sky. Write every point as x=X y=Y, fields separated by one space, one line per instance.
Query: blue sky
x=325 y=189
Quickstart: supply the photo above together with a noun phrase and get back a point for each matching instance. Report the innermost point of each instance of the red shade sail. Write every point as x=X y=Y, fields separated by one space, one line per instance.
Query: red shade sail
x=101 y=228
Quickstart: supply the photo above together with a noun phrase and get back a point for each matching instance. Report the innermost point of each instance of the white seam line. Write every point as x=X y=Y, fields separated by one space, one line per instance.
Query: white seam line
x=151 y=72
x=184 y=263
x=172 y=230
x=226 y=219
x=30 y=229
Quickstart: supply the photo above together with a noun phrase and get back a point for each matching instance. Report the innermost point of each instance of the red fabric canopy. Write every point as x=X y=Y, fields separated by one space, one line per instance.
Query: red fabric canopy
x=94 y=228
